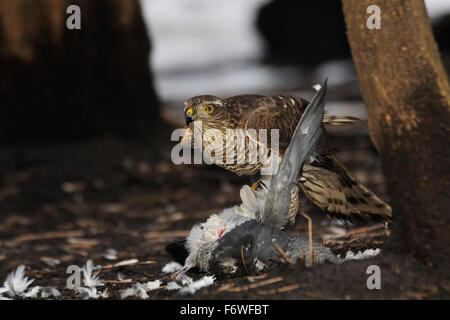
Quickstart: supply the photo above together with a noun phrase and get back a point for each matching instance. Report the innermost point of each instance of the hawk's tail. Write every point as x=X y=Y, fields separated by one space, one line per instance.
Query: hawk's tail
x=334 y=189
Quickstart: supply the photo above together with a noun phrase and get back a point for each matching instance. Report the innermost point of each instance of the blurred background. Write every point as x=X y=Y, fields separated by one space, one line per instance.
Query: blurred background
x=258 y=46
x=86 y=117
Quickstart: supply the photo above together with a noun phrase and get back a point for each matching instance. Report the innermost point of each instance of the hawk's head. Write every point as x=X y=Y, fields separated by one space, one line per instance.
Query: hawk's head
x=211 y=110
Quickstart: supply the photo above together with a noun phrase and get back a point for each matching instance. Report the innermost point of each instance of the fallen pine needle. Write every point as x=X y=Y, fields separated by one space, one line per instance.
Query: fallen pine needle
x=283 y=254
x=362 y=230
x=49 y=235
x=243 y=260
x=279 y=290
x=117 y=282
x=225 y=287
x=256 y=285
x=309 y=237
x=317 y=296
x=261 y=276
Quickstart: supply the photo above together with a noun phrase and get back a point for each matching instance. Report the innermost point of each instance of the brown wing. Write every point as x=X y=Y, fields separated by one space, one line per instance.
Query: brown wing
x=269 y=112
x=330 y=186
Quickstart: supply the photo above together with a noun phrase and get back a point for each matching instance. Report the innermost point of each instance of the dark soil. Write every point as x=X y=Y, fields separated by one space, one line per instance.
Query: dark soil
x=65 y=204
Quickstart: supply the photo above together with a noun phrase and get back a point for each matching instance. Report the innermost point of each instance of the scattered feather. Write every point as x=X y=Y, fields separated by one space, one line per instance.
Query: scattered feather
x=16 y=284
x=50 y=292
x=32 y=293
x=152 y=285
x=51 y=261
x=91 y=293
x=137 y=290
x=90 y=278
x=197 y=285
x=172 y=285
x=110 y=254
x=121 y=277
x=172 y=267
x=186 y=280
x=362 y=254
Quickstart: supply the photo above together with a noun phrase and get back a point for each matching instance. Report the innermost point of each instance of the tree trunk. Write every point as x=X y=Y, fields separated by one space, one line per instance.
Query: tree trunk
x=407 y=95
x=57 y=83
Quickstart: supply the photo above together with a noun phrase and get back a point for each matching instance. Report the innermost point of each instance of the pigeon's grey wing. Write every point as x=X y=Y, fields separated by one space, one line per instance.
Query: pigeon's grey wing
x=303 y=142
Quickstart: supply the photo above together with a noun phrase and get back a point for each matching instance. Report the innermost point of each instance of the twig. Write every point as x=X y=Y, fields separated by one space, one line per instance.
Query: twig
x=358 y=239
x=117 y=282
x=225 y=287
x=309 y=237
x=48 y=235
x=319 y=296
x=243 y=260
x=280 y=290
x=255 y=285
x=283 y=254
x=261 y=276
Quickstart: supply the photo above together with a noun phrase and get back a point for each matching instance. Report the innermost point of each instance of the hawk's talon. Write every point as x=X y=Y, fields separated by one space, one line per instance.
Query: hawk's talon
x=255 y=186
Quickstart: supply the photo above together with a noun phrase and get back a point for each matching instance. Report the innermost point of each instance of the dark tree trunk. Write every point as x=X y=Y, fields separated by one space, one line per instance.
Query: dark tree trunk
x=407 y=95
x=303 y=32
x=57 y=83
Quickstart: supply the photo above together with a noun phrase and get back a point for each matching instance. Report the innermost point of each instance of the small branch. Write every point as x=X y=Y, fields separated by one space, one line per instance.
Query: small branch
x=48 y=235
x=285 y=258
x=255 y=285
x=243 y=260
x=279 y=290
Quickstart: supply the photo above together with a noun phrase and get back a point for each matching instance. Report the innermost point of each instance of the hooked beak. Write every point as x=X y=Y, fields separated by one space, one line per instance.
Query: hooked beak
x=188 y=119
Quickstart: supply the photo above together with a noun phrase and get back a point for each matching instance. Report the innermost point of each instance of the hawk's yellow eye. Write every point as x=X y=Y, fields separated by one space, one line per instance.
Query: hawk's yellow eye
x=189 y=112
x=208 y=109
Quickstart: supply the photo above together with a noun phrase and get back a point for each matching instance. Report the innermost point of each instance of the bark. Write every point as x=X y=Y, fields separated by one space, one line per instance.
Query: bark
x=407 y=96
x=58 y=83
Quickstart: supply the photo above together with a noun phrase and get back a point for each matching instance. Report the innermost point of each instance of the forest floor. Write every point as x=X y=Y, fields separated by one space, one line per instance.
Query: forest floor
x=65 y=204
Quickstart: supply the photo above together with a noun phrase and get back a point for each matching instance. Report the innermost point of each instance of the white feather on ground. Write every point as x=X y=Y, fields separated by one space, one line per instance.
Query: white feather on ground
x=369 y=253
x=139 y=290
x=50 y=292
x=172 y=285
x=91 y=280
x=91 y=293
x=136 y=290
x=16 y=284
x=188 y=286
x=172 y=267
x=110 y=254
x=197 y=285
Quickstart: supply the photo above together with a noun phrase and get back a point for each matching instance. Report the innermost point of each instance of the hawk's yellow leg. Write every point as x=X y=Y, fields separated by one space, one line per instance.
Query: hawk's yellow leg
x=309 y=236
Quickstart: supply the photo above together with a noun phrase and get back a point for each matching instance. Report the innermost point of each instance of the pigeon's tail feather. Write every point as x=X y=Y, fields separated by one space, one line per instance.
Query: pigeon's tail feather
x=298 y=248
